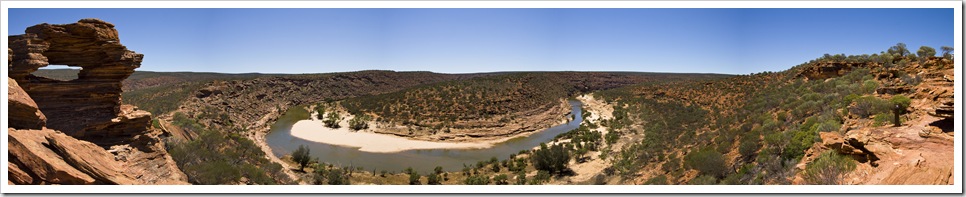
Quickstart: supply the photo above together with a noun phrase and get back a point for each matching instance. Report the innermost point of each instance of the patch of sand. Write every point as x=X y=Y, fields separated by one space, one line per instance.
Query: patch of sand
x=315 y=130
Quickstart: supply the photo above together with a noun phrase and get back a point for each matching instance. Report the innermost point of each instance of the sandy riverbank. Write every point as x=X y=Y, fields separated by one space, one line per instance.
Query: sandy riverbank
x=314 y=130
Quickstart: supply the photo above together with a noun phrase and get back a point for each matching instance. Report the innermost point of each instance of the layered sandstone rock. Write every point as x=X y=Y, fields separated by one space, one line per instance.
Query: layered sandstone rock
x=50 y=157
x=825 y=70
x=23 y=112
x=90 y=105
x=59 y=129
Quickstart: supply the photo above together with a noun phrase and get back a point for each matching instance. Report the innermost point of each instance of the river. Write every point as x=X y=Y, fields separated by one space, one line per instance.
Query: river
x=282 y=142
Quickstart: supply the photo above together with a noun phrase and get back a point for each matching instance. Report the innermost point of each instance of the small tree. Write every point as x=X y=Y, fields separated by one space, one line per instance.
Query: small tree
x=333 y=120
x=925 y=52
x=320 y=112
x=432 y=179
x=552 y=159
x=413 y=176
x=338 y=177
x=899 y=50
x=901 y=100
x=301 y=156
x=438 y=170
x=947 y=52
x=501 y=179
x=359 y=122
x=521 y=178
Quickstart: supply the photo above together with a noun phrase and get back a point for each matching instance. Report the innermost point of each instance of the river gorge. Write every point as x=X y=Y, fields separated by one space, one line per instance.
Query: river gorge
x=283 y=139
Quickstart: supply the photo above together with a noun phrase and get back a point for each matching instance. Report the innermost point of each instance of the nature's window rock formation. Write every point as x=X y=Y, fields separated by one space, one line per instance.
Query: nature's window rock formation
x=60 y=131
x=84 y=107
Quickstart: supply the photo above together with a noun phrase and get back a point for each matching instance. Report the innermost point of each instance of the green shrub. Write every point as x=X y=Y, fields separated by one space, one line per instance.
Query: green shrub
x=827 y=169
x=359 y=122
x=320 y=112
x=869 y=86
x=501 y=179
x=301 y=156
x=413 y=176
x=438 y=170
x=882 y=118
x=749 y=146
x=338 y=177
x=703 y=180
x=707 y=161
x=477 y=180
x=611 y=137
x=213 y=173
x=495 y=167
x=868 y=105
x=541 y=177
x=902 y=101
x=658 y=180
x=521 y=178
x=432 y=179
x=553 y=159
x=332 y=120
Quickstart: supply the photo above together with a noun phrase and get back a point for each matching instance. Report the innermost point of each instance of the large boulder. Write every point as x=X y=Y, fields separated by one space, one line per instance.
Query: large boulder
x=23 y=112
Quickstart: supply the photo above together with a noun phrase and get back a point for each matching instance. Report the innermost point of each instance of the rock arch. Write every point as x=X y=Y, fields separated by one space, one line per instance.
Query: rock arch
x=88 y=107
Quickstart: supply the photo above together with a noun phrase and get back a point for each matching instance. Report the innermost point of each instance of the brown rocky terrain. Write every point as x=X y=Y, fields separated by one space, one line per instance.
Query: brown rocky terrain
x=920 y=150
x=488 y=108
x=252 y=105
x=771 y=127
x=88 y=136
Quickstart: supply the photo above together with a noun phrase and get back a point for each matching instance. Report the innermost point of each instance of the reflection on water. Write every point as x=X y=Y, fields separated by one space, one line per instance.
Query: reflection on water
x=282 y=142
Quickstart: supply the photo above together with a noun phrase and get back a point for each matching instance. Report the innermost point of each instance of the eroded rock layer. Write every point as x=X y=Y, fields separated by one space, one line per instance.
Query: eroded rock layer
x=78 y=132
x=83 y=106
x=23 y=112
x=50 y=157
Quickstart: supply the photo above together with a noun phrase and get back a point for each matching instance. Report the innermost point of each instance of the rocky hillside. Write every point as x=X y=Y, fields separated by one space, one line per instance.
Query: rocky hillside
x=829 y=121
x=78 y=131
x=489 y=107
x=156 y=92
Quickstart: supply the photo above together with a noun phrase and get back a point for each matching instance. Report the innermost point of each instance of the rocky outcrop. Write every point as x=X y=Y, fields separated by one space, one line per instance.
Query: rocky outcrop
x=129 y=123
x=853 y=145
x=59 y=129
x=23 y=112
x=77 y=107
x=825 y=70
x=51 y=157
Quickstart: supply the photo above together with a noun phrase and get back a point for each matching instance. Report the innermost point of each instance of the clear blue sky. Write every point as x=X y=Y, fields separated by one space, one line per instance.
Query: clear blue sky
x=734 y=41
